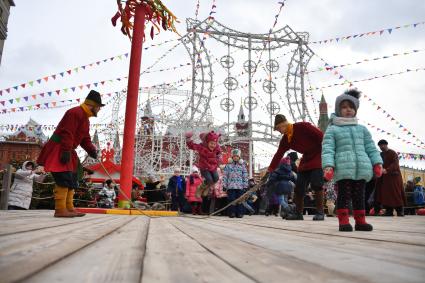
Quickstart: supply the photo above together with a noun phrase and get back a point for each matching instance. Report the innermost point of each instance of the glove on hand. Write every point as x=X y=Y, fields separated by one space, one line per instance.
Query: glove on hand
x=93 y=154
x=65 y=157
x=377 y=170
x=328 y=173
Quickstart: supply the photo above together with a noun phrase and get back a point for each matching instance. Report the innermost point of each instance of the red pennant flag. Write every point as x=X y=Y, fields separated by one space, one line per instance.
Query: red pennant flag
x=81 y=86
x=23 y=85
x=54 y=103
x=33 y=96
x=46 y=78
x=58 y=91
x=69 y=71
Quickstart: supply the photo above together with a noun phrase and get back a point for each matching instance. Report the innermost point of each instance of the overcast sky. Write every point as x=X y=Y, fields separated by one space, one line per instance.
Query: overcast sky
x=47 y=37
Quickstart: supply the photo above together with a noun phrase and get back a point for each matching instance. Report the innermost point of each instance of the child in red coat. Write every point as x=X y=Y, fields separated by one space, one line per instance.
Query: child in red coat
x=193 y=181
x=209 y=158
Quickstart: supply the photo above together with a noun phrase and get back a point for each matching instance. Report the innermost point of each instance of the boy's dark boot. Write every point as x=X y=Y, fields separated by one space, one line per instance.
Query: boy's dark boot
x=400 y=211
x=299 y=207
x=388 y=211
x=320 y=215
x=344 y=221
x=360 y=217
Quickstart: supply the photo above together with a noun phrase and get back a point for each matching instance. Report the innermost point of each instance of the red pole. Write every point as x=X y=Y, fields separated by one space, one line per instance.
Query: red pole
x=131 y=107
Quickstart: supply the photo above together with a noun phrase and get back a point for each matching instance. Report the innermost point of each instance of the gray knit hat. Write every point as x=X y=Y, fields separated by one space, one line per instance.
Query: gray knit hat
x=351 y=95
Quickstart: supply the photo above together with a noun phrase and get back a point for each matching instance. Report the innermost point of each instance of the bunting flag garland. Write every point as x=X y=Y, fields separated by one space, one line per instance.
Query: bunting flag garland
x=313 y=99
x=328 y=68
x=68 y=72
x=82 y=86
x=392 y=119
x=382 y=131
x=368 y=79
x=205 y=35
x=410 y=156
x=387 y=115
x=370 y=33
x=197 y=10
x=276 y=17
x=44 y=127
x=73 y=70
x=48 y=105
x=333 y=71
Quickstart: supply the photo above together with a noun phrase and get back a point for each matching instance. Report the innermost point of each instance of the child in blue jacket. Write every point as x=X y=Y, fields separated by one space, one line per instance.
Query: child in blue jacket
x=418 y=192
x=282 y=183
x=350 y=156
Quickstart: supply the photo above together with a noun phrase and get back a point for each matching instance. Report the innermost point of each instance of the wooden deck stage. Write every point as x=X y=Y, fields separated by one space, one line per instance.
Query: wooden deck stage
x=35 y=247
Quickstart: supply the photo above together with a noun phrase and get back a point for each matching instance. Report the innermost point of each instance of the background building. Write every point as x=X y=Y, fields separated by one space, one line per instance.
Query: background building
x=4 y=17
x=24 y=144
x=324 y=117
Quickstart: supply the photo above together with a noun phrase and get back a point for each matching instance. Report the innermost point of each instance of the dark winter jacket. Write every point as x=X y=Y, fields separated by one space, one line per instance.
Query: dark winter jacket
x=153 y=194
x=418 y=195
x=282 y=180
x=172 y=186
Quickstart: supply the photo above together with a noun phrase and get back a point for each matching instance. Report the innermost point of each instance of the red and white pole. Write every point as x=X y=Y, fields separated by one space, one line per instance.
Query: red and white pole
x=127 y=160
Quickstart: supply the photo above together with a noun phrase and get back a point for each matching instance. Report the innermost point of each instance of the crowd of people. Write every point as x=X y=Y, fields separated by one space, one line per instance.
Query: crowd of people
x=341 y=173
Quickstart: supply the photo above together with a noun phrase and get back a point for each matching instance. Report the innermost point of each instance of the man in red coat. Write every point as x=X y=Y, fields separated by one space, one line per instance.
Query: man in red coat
x=306 y=139
x=389 y=187
x=59 y=157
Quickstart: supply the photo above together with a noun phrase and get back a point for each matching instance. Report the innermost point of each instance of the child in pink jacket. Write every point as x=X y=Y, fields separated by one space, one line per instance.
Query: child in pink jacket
x=193 y=181
x=209 y=158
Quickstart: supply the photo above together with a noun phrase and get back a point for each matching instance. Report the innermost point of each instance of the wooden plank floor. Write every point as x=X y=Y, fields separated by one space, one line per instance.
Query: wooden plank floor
x=35 y=247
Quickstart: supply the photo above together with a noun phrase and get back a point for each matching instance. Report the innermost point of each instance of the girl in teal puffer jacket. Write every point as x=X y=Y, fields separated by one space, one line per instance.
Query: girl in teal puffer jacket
x=348 y=156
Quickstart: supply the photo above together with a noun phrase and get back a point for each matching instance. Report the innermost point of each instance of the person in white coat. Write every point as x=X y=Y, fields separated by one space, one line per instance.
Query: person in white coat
x=21 y=191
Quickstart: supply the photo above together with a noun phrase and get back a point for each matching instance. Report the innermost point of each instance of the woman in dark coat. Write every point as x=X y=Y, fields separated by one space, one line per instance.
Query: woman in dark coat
x=389 y=187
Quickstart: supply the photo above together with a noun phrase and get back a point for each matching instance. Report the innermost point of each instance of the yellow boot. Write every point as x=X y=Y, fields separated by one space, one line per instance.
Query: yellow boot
x=60 y=202
x=70 y=204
